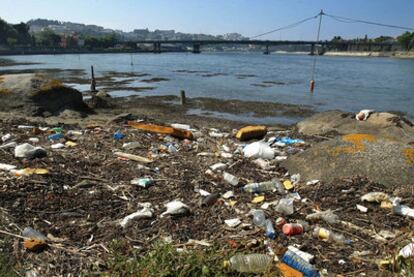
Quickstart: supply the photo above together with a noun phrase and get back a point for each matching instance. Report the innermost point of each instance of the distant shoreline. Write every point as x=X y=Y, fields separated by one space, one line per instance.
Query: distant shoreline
x=393 y=54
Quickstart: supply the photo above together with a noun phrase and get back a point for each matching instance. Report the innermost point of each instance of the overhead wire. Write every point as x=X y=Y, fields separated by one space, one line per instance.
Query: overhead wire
x=353 y=20
x=293 y=25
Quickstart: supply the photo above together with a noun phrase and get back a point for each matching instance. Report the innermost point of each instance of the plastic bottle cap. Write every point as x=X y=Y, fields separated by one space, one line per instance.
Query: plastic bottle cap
x=226 y=264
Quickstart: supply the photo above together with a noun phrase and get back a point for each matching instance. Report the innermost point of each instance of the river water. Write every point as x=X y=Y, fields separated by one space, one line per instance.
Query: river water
x=345 y=83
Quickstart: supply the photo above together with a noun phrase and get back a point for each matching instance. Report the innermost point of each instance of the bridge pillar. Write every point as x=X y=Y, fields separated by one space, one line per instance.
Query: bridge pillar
x=312 y=52
x=267 y=51
x=157 y=47
x=196 y=48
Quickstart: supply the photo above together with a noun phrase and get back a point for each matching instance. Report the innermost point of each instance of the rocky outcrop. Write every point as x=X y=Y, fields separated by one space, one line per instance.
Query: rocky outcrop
x=38 y=95
x=332 y=123
x=380 y=149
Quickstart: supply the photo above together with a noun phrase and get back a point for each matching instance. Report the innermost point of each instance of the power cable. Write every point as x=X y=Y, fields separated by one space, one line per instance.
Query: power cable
x=287 y=26
x=352 y=20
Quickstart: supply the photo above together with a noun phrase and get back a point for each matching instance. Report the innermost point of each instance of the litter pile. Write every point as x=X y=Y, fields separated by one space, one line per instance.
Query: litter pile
x=191 y=187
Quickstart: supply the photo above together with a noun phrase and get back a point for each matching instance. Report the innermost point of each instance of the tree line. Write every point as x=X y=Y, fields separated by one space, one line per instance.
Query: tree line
x=18 y=35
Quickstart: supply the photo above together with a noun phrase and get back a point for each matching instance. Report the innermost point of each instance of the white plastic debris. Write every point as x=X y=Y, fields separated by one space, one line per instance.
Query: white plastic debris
x=7 y=167
x=304 y=255
x=181 y=126
x=203 y=192
x=375 y=197
x=281 y=158
x=131 y=145
x=175 y=207
x=295 y=178
x=327 y=216
x=231 y=179
x=362 y=209
x=6 y=137
x=57 y=146
x=341 y=262
x=24 y=150
x=33 y=140
x=363 y=115
x=9 y=145
x=216 y=134
x=407 y=251
x=234 y=222
x=226 y=148
x=226 y=155
x=258 y=150
x=265 y=165
x=228 y=194
x=402 y=209
x=285 y=206
x=145 y=212
x=218 y=166
x=312 y=182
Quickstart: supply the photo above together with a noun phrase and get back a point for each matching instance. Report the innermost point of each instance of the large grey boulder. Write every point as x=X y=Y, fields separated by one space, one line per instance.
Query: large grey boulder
x=381 y=148
x=36 y=94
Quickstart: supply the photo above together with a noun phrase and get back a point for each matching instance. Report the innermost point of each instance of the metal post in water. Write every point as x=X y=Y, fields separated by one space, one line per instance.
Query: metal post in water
x=183 y=100
x=93 y=82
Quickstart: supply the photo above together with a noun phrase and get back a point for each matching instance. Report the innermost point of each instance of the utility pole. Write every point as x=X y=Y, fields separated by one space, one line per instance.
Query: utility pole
x=312 y=81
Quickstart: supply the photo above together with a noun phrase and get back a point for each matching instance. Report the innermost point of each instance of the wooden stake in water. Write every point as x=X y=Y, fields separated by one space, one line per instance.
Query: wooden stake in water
x=183 y=100
x=93 y=82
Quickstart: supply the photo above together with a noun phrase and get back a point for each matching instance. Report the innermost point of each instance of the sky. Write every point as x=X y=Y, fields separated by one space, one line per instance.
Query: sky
x=248 y=17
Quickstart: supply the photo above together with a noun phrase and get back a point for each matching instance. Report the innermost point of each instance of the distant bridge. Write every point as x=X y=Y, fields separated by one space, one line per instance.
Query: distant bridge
x=197 y=44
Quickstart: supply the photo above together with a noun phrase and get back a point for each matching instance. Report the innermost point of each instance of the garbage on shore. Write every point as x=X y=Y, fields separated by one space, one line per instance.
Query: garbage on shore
x=151 y=183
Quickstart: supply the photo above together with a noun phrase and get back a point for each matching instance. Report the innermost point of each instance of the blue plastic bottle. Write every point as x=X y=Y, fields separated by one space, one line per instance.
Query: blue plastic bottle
x=296 y=262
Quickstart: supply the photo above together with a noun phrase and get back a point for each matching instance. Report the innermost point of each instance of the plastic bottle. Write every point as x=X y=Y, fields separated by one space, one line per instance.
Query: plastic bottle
x=264 y=186
x=250 y=263
x=296 y=262
x=259 y=218
x=327 y=235
x=231 y=179
x=270 y=230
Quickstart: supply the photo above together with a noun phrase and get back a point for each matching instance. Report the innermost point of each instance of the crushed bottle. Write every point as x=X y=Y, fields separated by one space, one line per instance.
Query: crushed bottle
x=250 y=263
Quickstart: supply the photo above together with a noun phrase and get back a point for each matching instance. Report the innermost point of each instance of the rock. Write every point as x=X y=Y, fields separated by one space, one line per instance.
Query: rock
x=382 y=125
x=38 y=95
x=385 y=161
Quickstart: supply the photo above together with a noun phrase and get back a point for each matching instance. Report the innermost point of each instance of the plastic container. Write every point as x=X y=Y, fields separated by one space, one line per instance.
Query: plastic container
x=259 y=150
x=56 y=136
x=296 y=262
x=285 y=206
x=250 y=263
x=327 y=235
x=231 y=179
x=142 y=182
x=270 y=230
x=264 y=186
x=26 y=150
x=259 y=218
x=292 y=229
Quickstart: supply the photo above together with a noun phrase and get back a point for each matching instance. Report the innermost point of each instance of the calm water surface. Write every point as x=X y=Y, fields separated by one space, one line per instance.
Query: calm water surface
x=345 y=83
